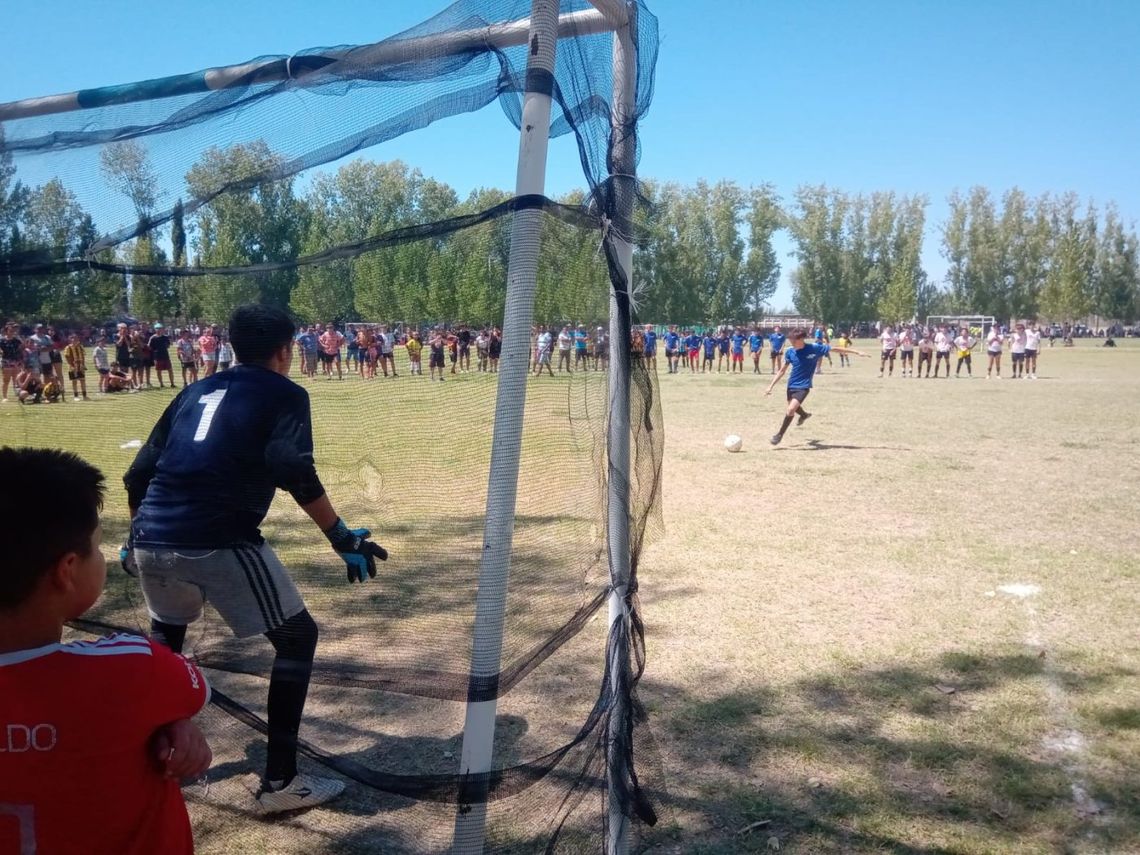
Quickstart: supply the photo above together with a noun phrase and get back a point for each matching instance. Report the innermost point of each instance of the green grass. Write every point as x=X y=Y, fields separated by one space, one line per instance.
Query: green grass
x=829 y=653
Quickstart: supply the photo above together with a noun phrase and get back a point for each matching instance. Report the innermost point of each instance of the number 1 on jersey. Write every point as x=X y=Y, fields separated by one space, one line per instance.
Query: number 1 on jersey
x=211 y=403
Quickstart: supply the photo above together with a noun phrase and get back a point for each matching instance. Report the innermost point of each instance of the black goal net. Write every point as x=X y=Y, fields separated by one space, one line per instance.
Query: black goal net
x=163 y=205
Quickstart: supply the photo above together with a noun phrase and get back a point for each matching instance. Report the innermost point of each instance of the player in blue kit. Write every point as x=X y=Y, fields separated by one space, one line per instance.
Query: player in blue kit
x=802 y=358
x=723 y=345
x=776 y=349
x=198 y=491
x=737 y=352
x=650 y=351
x=672 y=345
x=693 y=350
x=709 y=342
x=755 y=345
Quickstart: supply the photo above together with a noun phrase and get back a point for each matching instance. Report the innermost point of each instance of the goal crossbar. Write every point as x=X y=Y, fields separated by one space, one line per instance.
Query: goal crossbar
x=602 y=19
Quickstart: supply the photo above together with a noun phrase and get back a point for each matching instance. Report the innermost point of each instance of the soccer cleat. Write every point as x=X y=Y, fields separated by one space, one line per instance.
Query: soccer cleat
x=803 y=417
x=304 y=791
x=775 y=440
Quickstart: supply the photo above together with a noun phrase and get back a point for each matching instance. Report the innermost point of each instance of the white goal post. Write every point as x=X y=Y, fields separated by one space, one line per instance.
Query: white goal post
x=982 y=323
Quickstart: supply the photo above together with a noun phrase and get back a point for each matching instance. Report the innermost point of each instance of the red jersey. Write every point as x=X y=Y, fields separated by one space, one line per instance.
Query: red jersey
x=77 y=773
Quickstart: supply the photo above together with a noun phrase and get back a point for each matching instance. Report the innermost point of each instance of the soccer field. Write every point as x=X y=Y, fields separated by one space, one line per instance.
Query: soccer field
x=911 y=627
x=835 y=648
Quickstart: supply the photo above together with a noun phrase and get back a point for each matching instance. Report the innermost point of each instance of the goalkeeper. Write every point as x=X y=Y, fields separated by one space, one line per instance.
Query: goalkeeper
x=198 y=491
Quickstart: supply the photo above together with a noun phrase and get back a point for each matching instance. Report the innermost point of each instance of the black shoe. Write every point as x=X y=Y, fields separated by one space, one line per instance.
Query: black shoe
x=775 y=440
x=803 y=417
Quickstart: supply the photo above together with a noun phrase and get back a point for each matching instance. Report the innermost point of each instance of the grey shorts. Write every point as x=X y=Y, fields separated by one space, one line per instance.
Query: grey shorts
x=248 y=586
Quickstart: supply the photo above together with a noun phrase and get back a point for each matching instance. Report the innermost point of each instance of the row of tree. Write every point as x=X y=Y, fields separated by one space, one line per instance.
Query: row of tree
x=706 y=251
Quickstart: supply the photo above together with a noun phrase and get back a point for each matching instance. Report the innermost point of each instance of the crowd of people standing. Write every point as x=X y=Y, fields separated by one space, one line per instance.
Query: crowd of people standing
x=38 y=366
x=936 y=346
x=129 y=359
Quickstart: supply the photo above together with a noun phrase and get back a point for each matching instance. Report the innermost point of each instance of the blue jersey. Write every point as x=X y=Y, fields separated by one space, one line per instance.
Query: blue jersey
x=723 y=342
x=755 y=343
x=710 y=346
x=580 y=339
x=209 y=471
x=308 y=342
x=693 y=342
x=738 y=344
x=650 y=342
x=803 y=364
x=672 y=340
x=777 y=342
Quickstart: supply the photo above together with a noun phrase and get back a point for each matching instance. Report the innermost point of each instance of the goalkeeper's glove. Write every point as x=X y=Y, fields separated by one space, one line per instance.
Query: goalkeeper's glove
x=359 y=553
x=127 y=558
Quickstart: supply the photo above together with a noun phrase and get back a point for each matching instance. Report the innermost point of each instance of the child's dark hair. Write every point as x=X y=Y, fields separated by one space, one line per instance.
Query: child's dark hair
x=42 y=478
x=257 y=331
x=797 y=334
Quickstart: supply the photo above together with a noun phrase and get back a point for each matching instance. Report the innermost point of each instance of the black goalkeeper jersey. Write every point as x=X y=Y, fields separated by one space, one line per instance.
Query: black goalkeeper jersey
x=209 y=471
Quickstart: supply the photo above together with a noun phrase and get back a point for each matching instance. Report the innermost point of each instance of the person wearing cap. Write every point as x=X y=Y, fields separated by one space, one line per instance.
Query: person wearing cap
x=601 y=349
x=581 y=348
x=542 y=347
x=159 y=344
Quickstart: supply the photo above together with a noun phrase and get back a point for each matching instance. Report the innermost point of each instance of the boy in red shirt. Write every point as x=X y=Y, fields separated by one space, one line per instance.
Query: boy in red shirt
x=93 y=734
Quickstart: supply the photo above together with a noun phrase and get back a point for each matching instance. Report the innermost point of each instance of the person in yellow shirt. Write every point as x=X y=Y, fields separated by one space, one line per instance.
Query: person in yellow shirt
x=843 y=341
x=415 y=348
x=76 y=358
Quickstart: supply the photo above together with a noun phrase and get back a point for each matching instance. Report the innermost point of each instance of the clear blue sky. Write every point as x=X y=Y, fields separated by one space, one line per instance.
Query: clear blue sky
x=915 y=97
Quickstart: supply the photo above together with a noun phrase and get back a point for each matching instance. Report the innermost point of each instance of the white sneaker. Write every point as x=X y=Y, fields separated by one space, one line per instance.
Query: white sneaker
x=304 y=791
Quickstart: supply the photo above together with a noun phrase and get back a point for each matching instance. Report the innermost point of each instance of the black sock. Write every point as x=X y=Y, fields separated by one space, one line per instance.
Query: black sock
x=787 y=421
x=295 y=642
x=802 y=413
x=168 y=634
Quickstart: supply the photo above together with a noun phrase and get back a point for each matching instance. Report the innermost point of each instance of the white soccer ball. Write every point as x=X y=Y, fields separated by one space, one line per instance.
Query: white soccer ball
x=732 y=443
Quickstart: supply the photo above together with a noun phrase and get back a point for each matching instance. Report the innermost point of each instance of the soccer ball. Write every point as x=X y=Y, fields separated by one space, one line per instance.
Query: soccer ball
x=732 y=443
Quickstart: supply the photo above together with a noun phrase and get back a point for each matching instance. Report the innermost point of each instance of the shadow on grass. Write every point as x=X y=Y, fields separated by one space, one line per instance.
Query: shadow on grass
x=820 y=445
x=928 y=757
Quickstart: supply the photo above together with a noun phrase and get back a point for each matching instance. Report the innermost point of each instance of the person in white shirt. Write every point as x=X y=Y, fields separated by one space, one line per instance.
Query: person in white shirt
x=387 y=344
x=942 y=342
x=565 y=340
x=481 y=350
x=890 y=345
x=994 y=342
x=542 y=347
x=102 y=364
x=925 y=351
x=1032 y=345
x=1017 y=350
x=965 y=344
x=906 y=351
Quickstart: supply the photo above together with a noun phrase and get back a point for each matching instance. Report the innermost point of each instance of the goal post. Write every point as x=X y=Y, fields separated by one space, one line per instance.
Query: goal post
x=980 y=323
x=610 y=52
